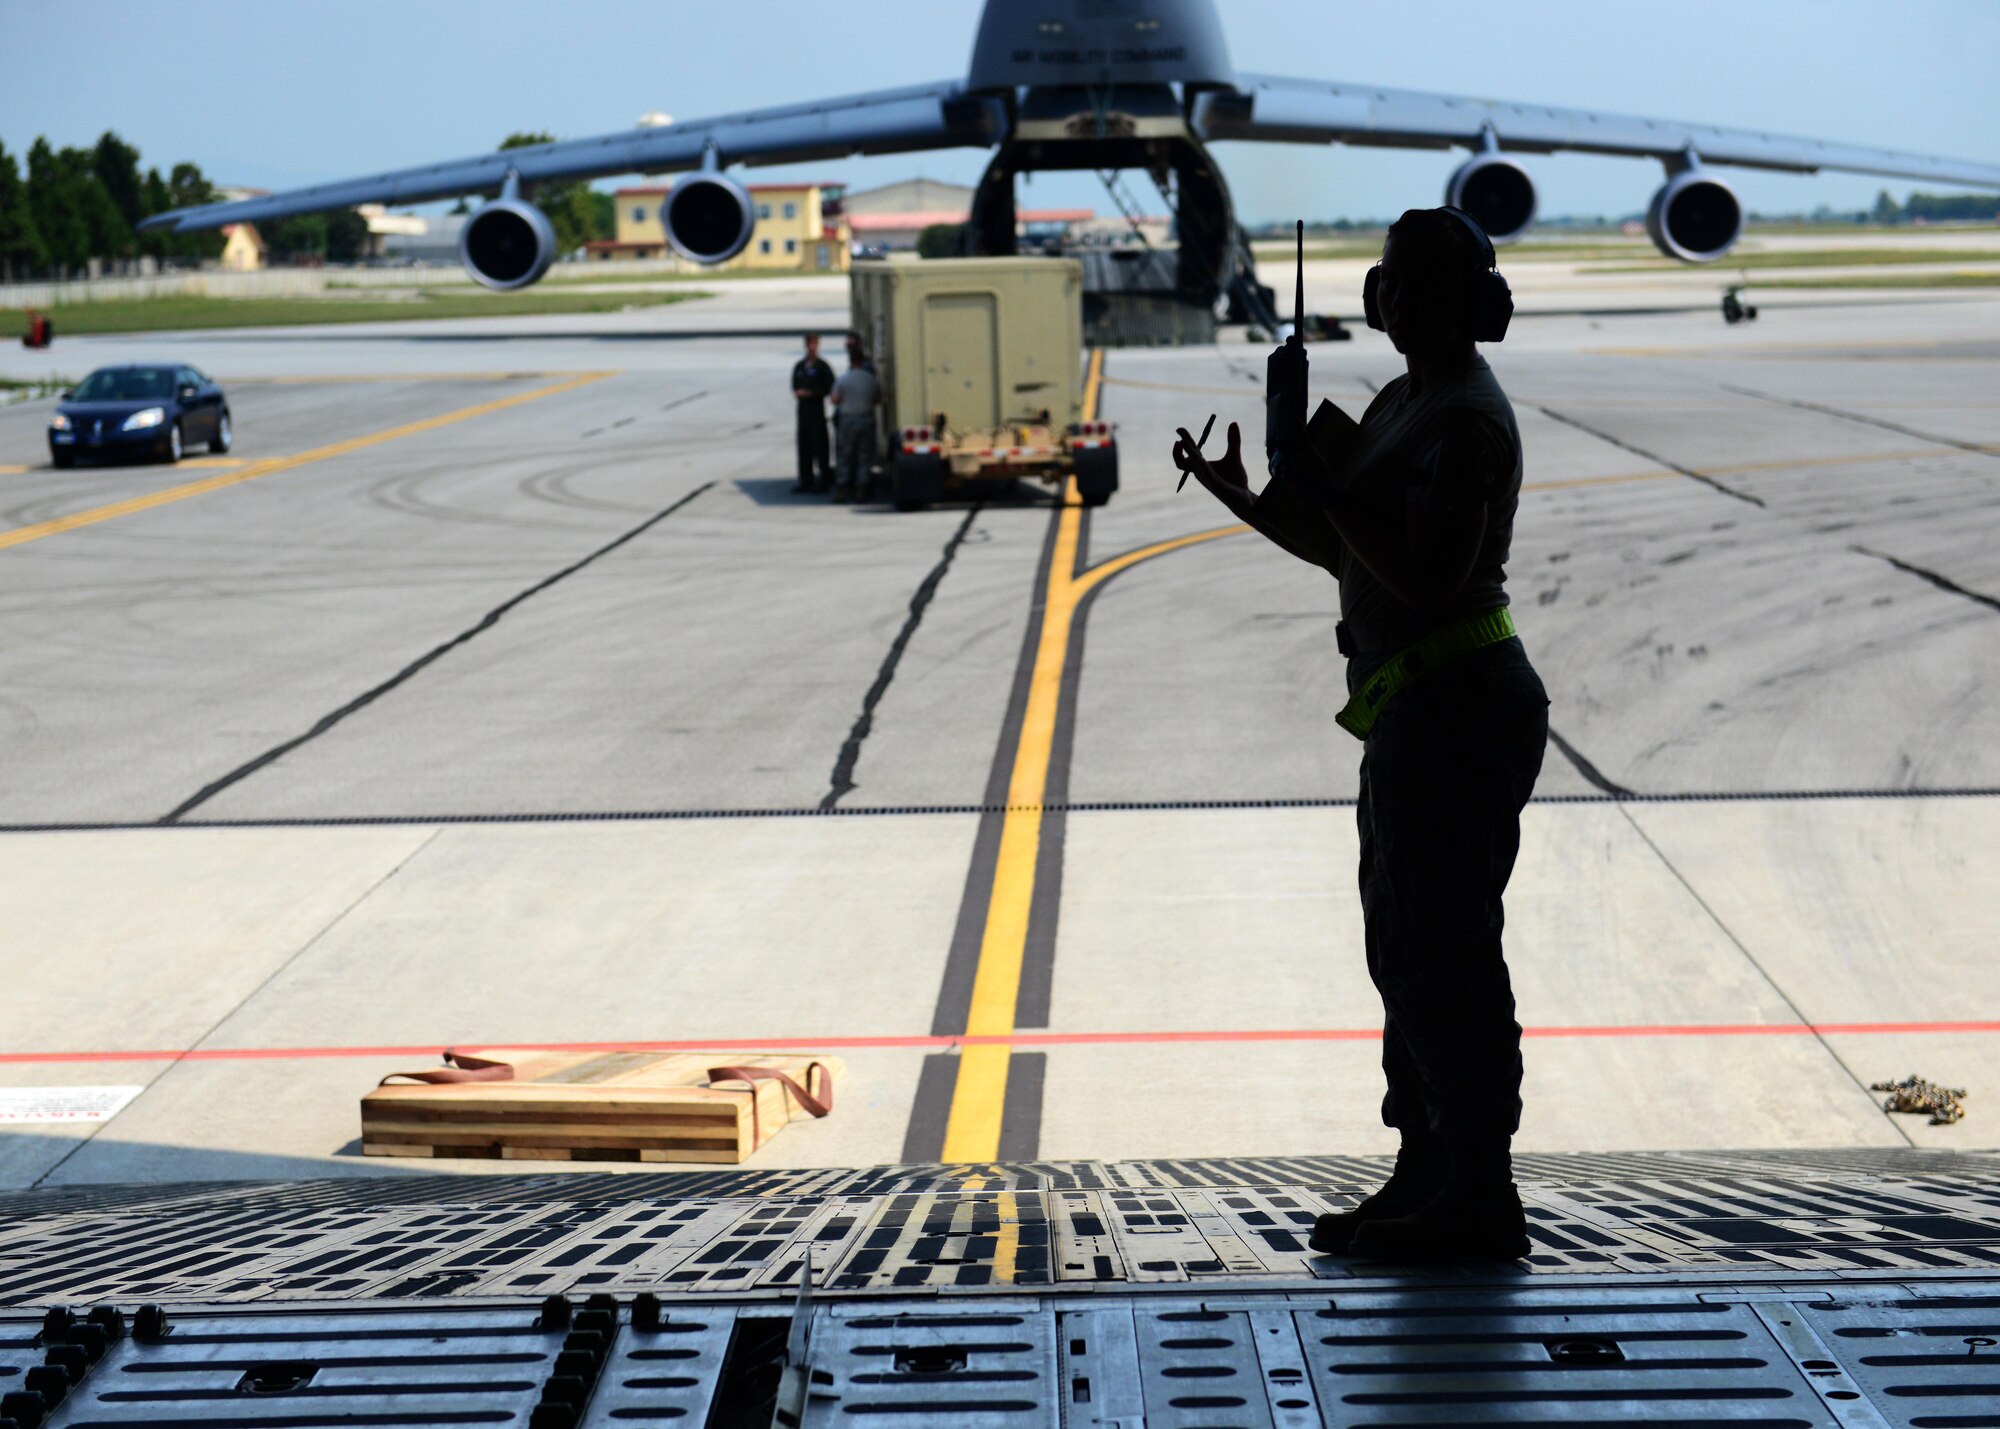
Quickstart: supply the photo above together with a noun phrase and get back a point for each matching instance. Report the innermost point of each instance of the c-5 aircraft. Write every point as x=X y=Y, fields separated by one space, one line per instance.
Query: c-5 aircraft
x=1106 y=85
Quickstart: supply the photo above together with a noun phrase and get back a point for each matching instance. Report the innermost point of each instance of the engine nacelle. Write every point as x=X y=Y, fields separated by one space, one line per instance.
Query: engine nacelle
x=1497 y=192
x=507 y=244
x=1695 y=217
x=708 y=217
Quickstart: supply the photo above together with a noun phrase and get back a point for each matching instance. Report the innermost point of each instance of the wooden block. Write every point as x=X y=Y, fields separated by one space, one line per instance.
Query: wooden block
x=560 y=1106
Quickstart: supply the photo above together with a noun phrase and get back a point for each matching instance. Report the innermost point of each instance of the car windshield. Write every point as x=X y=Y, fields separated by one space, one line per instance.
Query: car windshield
x=123 y=384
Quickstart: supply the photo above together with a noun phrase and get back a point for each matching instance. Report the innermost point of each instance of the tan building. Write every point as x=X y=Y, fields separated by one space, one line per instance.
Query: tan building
x=918 y=195
x=799 y=229
x=243 y=249
x=894 y=216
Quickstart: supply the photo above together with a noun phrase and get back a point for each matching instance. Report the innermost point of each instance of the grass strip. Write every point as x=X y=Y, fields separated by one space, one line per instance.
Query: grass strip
x=1989 y=279
x=568 y=275
x=189 y=313
x=1826 y=258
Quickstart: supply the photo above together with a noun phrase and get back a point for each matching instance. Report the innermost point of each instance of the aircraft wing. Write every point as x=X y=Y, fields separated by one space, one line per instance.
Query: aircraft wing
x=933 y=116
x=1312 y=111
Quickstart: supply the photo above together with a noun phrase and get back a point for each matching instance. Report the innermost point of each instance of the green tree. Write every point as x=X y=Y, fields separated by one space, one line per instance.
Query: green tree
x=1887 y=210
x=1944 y=208
x=346 y=236
x=52 y=201
x=303 y=235
x=116 y=164
x=938 y=240
x=571 y=212
x=21 y=248
x=187 y=186
x=154 y=198
x=106 y=233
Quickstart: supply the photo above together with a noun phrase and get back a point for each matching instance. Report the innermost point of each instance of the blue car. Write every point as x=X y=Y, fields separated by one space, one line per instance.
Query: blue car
x=139 y=409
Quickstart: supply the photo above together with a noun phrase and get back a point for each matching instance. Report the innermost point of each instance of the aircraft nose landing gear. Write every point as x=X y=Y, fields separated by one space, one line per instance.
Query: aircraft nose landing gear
x=1734 y=309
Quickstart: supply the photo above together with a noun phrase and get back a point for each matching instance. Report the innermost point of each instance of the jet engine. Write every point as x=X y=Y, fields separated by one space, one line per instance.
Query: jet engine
x=708 y=217
x=507 y=244
x=1695 y=217
x=1496 y=191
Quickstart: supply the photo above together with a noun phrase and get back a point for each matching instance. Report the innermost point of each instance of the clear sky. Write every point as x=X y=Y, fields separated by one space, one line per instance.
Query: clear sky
x=280 y=94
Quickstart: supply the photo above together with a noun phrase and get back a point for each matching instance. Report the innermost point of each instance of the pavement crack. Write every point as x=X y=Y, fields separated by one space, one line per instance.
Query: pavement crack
x=1944 y=583
x=303 y=948
x=1589 y=771
x=418 y=665
x=842 y=779
x=1553 y=415
x=1762 y=971
x=1799 y=402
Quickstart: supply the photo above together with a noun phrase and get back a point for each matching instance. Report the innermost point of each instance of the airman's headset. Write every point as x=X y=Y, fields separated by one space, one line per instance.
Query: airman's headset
x=1488 y=303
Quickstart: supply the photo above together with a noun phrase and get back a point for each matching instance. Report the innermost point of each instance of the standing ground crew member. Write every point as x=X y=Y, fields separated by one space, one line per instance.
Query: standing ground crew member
x=855 y=397
x=1416 y=522
x=811 y=381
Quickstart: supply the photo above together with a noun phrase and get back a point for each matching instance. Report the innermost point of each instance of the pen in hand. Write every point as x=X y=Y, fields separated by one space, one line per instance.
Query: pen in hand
x=1198 y=445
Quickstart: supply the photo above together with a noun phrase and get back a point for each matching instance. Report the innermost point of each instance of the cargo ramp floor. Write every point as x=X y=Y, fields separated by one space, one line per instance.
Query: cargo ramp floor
x=1840 y=1288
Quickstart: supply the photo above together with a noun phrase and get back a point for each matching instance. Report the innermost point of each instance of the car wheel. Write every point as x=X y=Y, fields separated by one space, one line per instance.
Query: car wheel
x=219 y=443
x=62 y=461
x=174 y=448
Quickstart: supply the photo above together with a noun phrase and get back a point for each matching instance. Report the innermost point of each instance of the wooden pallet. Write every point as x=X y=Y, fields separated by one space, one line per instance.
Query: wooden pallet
x=595 y=1106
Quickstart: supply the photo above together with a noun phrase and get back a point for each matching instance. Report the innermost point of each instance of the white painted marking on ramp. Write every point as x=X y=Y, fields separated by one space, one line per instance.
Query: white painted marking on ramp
x=23 y=1105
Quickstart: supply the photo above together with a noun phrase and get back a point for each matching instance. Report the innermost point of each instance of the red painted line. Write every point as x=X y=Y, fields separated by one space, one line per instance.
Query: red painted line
x=1019 y=1039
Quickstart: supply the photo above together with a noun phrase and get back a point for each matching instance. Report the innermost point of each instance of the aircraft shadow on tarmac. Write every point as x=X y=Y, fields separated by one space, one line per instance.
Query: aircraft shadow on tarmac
x=777 y=491
x=29 y=1157
x=485 y=335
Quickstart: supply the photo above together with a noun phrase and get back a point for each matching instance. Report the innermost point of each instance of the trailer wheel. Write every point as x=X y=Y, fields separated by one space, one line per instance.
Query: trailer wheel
x=1096 y=474
x=916 y=480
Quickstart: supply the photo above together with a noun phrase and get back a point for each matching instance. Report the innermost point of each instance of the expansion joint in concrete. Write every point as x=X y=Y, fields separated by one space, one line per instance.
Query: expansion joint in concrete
x=1654 y=457
x=1862 y=419
x=415 y=667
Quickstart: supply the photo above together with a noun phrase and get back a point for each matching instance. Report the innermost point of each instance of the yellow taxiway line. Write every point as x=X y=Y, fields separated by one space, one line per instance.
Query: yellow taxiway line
x=972 y=1132
x=333 y=379
x=21 y=535
x=1831 y=349
x=1093 y=385
x=199 y=461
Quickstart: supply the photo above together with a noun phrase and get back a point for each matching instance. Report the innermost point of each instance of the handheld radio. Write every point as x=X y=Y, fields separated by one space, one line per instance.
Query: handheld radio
x=1285 y=378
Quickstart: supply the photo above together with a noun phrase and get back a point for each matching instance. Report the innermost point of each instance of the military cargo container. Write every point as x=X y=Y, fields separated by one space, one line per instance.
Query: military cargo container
x=981 y=363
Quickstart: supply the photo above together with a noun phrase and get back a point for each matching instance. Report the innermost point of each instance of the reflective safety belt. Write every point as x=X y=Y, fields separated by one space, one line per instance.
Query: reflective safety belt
x=1400 y=670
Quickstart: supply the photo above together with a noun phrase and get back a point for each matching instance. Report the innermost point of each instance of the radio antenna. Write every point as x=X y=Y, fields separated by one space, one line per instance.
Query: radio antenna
x=1299 y=292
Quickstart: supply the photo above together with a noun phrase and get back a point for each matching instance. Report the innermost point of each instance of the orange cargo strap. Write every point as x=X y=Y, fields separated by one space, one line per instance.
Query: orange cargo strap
x=458 y=1067
x=756 y=1074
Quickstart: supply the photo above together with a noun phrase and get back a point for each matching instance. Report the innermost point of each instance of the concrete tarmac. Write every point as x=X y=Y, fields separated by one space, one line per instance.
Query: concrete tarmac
x=497 y=690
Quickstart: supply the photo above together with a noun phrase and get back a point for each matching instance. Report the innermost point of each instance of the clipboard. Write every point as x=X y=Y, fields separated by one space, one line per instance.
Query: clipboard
x=1332 y=435
x=1293 y=503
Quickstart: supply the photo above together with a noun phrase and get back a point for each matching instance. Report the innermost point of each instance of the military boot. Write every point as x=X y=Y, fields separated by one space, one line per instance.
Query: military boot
x=1419 y=1176
x=1476 y=1217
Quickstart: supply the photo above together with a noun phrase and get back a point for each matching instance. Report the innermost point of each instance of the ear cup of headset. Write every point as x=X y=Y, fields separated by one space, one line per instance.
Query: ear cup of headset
x=1489 y=302
x=1371 y=302
x=1492 y=308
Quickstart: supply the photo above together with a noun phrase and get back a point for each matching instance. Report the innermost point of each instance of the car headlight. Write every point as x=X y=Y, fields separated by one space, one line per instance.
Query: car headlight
x=59 y=422
x=147 y=417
